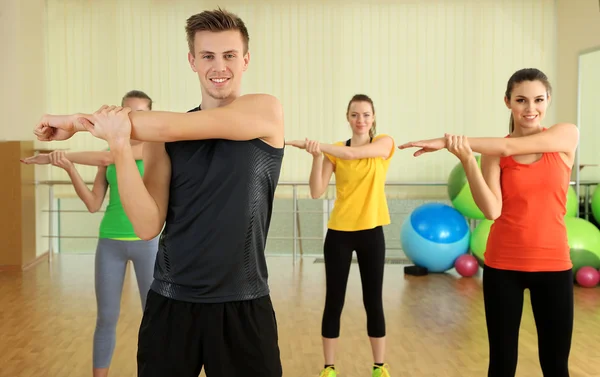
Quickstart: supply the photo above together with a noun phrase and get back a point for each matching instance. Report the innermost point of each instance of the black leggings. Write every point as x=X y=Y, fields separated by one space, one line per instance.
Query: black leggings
x=370 y=251
x=552 y=304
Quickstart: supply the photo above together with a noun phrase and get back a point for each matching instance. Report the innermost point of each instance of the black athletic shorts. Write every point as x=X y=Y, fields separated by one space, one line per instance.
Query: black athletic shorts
x=233 y=339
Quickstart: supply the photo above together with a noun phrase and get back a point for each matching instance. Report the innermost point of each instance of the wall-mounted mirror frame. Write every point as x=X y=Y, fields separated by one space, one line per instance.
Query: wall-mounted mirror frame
x=583 y=70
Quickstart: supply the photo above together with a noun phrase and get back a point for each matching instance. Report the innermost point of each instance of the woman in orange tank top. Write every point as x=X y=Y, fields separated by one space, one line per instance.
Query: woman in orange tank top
x=522 y=185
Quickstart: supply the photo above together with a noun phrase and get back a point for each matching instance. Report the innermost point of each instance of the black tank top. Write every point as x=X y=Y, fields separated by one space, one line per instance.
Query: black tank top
x=220 y=205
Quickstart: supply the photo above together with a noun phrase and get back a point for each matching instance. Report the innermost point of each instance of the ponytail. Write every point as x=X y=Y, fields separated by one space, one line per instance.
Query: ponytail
x=511 y=127
x=373 y=130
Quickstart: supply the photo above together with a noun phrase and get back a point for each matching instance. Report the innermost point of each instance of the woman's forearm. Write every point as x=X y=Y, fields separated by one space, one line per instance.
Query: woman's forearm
x=316 y=177
x=490 y=146
x=484 y=197
x=90 y=198
x=100 y=158
x=95 y=158
x=337 y=151
x=379 y=148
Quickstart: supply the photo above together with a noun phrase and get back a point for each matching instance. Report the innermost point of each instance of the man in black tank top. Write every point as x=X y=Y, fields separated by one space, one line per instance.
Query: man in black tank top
x=210 y=178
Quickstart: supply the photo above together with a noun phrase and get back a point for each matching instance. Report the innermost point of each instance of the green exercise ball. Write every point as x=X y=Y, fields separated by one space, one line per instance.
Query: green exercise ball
x=479 y=238
x=595 y=204
x=460 y=192
x=572 y=202
x=584 y=242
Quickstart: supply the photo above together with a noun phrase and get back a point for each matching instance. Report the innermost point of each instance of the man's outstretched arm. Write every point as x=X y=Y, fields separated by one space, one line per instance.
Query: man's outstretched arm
x=252 y=116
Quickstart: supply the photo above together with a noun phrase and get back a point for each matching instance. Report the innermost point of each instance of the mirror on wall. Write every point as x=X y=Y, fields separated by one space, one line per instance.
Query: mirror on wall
x=589 y=131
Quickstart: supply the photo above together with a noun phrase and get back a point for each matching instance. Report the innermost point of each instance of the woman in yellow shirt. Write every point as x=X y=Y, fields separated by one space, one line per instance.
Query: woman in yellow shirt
x=360 y=210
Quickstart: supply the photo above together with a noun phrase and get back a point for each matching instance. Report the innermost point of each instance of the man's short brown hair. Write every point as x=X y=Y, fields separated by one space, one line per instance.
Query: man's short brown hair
x=215 y=20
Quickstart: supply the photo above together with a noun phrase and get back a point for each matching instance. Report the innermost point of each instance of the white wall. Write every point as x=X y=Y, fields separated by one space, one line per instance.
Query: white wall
x=431 y=67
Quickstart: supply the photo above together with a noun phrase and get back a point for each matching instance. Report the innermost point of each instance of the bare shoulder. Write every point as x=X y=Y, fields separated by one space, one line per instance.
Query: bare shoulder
x=263 y=99
x=268 y=111
x=383 y=138
x=566 y=135
x=387 y=144
x=267 y=106
x=565 y=129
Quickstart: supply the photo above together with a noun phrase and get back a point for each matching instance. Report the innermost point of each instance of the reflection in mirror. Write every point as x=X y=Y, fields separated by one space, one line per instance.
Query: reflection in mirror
x=589 y=129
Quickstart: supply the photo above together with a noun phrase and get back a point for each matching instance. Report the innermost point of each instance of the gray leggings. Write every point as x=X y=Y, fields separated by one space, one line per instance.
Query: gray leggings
x=111 y=261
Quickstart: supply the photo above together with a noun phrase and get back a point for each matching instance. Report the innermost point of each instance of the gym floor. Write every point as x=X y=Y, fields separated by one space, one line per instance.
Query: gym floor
x=435 y=324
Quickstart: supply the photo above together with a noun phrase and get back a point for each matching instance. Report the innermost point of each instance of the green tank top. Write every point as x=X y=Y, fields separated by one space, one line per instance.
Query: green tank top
x=115 y=223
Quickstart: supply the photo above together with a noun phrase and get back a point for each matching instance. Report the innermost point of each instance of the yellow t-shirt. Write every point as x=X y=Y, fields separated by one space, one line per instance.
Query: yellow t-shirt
x=360 y=192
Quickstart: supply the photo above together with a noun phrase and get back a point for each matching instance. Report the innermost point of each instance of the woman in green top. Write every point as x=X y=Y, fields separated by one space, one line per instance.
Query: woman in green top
x=117 y=243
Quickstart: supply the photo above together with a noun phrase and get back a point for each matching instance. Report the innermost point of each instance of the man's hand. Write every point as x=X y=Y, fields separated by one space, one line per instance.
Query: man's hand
x=39 y=159
x=58 y=127
x=110 y=123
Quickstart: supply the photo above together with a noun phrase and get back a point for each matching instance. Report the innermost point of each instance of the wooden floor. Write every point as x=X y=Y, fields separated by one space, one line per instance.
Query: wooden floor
x=435 y=324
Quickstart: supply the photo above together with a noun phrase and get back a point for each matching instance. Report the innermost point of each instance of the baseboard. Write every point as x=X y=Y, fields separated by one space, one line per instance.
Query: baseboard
x=12 y=268
x=42 y=257
x=391 y=260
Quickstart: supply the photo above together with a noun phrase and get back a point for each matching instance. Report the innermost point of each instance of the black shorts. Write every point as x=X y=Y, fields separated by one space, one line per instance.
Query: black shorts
x=233 y=339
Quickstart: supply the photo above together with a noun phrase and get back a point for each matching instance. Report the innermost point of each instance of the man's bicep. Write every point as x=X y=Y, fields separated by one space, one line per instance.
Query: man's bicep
x=256 y=116
x=157 y=175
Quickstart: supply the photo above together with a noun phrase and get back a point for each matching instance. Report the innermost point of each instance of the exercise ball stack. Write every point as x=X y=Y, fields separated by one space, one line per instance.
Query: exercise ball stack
x=434 y=235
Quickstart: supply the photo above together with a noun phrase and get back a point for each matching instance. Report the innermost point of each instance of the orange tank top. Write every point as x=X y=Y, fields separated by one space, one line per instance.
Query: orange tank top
x=530 y=234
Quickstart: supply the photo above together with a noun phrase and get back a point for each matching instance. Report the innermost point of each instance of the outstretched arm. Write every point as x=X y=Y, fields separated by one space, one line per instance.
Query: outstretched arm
x=91 y=158
x=101 y=158
x=252 y=116
x=382 y=147
x=562 y=137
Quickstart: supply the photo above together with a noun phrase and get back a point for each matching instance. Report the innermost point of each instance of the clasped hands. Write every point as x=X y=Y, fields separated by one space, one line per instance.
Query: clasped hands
x=110 y=123
x=311 y=146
